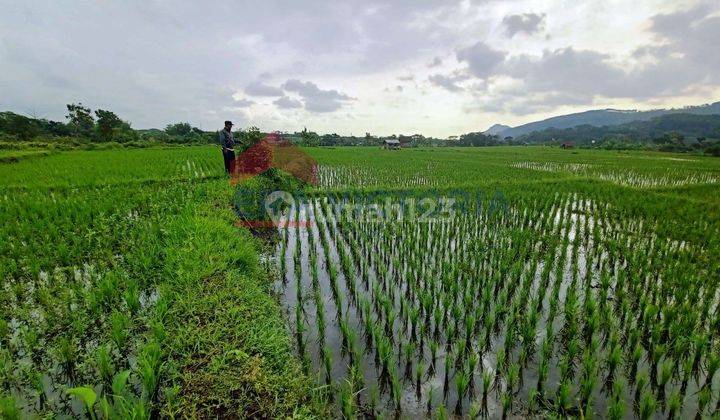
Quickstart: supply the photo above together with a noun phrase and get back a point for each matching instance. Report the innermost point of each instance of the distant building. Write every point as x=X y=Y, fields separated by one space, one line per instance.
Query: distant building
x=567 y=145
x=391 y=144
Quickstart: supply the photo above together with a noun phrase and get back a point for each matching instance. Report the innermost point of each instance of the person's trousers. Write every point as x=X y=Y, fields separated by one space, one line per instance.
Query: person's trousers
x=229 y=157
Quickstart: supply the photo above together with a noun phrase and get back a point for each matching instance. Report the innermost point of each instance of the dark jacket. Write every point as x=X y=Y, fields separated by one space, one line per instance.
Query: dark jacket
x=225 y=138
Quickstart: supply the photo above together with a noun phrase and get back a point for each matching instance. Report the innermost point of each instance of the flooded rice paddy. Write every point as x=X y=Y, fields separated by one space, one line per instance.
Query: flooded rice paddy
x=533 y=310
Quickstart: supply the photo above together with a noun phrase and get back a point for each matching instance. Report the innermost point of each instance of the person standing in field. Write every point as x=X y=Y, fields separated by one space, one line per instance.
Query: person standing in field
x=227 y=143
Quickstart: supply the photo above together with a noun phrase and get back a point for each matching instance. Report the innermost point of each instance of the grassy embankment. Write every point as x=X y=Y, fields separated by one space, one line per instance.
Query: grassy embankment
x=124 y=278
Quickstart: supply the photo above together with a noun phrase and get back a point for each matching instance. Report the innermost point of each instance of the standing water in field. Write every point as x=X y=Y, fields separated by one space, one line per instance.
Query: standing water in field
x=541 y=308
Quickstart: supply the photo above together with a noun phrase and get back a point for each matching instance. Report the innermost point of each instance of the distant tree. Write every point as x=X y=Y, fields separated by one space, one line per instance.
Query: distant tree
x=330 y=140
x=660 y=140
x=677 y=138
x=713 y=149
x=20 y=126
x=249 y=137
x=56 y=128
x=309 y=138
x=179 y=129
x=124 y=133
x=478 y=139
x=107 y=123
x=80 y=118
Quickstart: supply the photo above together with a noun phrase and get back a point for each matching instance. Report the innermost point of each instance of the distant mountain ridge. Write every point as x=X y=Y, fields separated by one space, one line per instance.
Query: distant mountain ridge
x=680 y=128
x=496 y=129
x=603 y=117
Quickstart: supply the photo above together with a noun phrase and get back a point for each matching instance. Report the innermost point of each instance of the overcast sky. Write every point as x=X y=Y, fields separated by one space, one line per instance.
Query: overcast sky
x=436 y=67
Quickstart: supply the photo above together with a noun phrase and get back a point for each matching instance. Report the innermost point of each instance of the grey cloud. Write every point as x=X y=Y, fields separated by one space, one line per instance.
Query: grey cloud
x=258 y=88
x=692 y=35
x=652 y=51
x=684 y=60
x=528 y=23
x=567 y=70
x=544 y=102
x=353 y=35
x=286 y=102
x=107 y=54
x=675 y=25
x=525 y=103
x=447 y=82
x=316 y=99
x=589 y=72
x=481 y=59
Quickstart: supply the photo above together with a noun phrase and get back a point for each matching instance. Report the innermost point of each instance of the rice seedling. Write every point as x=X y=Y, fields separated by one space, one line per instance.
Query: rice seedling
x=474 y=411
x=36 y=378
x=132 y=297
x=374 y=399
x=9 y=408
x=396 y=390
x=119 y=329
x=462 y=382
x=88 y=396
x=67 y=353
x=327 y=364
x=591 y=283
x=647 y=405
x=347 y=403
x=419 y=374
x=430 y=396
x=704 y=398
x=149 y=365
x=105 y=364
x=564 y=398
x=666 y=371
x=674 y=405
x=507 y=400
x=641 y=382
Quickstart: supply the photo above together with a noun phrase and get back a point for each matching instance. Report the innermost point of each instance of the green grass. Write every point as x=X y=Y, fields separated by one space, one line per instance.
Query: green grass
x=76 y=169
x=473 y=167
x=125 y=277
x=111 y=257
x=14 y=156
x=683 y=199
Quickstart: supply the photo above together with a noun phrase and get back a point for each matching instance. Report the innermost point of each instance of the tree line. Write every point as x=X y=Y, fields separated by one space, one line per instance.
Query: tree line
x=83 y=125
x=673 y=132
